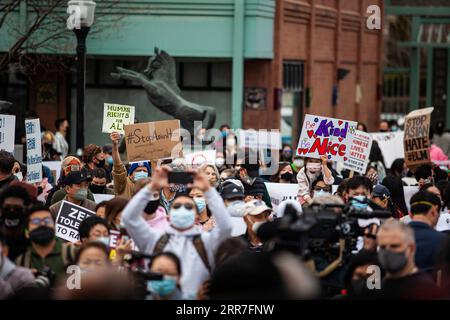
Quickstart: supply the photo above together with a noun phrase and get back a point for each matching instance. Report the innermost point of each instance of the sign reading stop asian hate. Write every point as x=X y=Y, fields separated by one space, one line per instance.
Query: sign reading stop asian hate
x=326 y=136
x=416 y=140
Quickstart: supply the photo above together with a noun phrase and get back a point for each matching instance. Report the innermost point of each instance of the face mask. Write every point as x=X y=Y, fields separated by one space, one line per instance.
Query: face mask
x=81 y=194
x=313 y=167
x=110 y=161
x=224 y=134
x=42 y=235
x=97 y=189
x=256 y=226
x=298 y=163
x=287 y=153
x=220 y=162
x=19 y=175
x=104 y=240
x=163 y=288
x=101 y=163
x=359 y=205
x=182 y=218
x=392 y=262
x=13 y=217
x=151 y=207
x=321 y=193
x=140 y=175
x=201 y=203
x=236 y=208
x=287 y=176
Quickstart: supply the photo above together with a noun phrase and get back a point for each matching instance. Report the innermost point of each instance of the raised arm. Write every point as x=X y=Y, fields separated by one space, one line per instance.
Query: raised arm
x=119 y=174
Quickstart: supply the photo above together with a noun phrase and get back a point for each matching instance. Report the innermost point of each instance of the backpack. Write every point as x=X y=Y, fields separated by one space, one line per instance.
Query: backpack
x=196 y=240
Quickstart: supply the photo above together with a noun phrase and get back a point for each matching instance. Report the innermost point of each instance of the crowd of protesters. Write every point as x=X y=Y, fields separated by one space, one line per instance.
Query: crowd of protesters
x=200 y=240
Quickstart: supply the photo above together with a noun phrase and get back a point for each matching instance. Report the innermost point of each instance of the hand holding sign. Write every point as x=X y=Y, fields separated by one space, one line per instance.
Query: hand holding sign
x=115 y=138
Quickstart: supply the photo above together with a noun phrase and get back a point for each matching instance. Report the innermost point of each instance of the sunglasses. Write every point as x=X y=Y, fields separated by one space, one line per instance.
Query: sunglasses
x=47 y=221
x=188 y=206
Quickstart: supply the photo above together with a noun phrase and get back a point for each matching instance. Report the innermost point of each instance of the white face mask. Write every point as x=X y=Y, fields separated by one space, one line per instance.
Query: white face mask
x=321 y=193
x=313 y=167
x=19 y=175
x=220 y=162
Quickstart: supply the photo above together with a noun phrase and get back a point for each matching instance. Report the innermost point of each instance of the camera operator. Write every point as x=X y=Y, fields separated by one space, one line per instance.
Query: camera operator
x=12 y=277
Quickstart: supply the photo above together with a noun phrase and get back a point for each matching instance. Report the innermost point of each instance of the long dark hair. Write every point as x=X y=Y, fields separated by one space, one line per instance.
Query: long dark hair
x=395 y=186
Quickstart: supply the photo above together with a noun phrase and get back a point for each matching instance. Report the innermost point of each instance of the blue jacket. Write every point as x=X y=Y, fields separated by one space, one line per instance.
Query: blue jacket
x=429 y=243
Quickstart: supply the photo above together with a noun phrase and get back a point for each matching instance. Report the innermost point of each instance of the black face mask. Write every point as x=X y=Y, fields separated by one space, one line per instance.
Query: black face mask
x=47 y=146
x=101 y=163
x=13 y=217
x=151 y=207
x=42 y=235
x=287 y=176
x=97 y=189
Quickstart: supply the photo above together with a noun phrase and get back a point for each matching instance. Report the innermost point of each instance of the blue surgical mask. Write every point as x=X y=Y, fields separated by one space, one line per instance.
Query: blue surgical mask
x=321 y=193
x=140 y=175
x=359 y=205
x=182 y=218
x=110 y=161
x=104 y=240
x=201 y=203
x=162 y=288
x=81 y=194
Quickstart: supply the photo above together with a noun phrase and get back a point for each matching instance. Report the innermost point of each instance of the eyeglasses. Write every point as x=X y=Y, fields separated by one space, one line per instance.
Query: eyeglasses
x=37 y=221
x=188 y=206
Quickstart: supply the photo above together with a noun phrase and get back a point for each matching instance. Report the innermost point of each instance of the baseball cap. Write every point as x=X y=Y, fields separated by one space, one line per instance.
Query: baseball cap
x=255 y=207
x=76 y=177
x=380 y=191
x=231 y=190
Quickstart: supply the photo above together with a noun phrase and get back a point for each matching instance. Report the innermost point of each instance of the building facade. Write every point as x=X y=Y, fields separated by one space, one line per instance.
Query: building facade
x=260 y=63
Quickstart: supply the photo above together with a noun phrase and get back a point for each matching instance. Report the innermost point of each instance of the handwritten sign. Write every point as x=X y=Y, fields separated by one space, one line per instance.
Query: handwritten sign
x=153 y=140
x=68 y=221
x=358 y=157
x=326 y=136
x=199 y=158
x=34 y=150
x=115 y=116
x=391 y=145
x=416 y=141
x=7 y=132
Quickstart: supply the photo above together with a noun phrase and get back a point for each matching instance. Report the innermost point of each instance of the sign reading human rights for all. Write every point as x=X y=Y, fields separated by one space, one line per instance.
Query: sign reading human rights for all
x=116 y=116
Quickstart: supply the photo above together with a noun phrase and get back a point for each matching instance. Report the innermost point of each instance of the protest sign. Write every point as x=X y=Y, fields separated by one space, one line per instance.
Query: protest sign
x=409 y=192
x=34 y=150
x=279 y=192
x=199 y=158
x=358 y=156
x=416 y=141
x=102 y=197
x=115 y=237
x=7 y=132
x=391 y=145
x=68 y=221
x=153 y=140
x=326 y=136
x=115 y=116
x=55 y=168
x=260 y=139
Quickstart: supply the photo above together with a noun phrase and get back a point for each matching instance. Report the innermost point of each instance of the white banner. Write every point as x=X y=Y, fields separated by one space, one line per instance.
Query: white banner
x=280 y=192
x=7 y=132
x=391 y=145
x=34 y=150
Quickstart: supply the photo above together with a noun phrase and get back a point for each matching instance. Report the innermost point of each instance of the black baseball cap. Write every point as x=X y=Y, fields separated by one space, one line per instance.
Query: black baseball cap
x=231 y=191
x=76 y=177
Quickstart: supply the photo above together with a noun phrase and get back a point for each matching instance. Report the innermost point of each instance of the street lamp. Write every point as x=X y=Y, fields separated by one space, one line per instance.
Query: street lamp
x=81 y=17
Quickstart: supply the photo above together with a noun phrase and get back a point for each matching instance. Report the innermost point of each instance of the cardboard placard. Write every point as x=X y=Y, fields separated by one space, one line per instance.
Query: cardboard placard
x=7 y=132
x=416 y=140
x=197 y=159
x=153 y=140
x=326 y=136
x=68 y=220
x=260 y=139
x=34 y=150
x=116 y=116
x=391 y=145
x=280 y=192
x=358 y=156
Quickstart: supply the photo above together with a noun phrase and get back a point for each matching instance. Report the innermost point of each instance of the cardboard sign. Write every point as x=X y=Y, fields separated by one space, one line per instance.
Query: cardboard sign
x=153 y=140
x=115 y=116
x=391 y=145
x=196 y=159
x=68 y=220
x=358 y=156
x=326 y=136
x=7 y=132
x=102 y=197
x=416 y=141
x=260 y=139
x=34 y=150
x=280 y=192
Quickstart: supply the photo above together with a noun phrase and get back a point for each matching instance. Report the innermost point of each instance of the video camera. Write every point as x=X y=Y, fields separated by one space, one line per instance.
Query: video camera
x=326 y=230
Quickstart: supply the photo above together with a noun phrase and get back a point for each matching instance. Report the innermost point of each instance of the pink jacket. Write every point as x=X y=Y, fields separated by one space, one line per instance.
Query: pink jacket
x=436 y=153
x=305 y=180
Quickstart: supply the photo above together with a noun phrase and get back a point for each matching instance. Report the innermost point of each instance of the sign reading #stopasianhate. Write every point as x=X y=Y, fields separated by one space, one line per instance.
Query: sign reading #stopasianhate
x=326 y=136
x=115 y=116
x=68 y=221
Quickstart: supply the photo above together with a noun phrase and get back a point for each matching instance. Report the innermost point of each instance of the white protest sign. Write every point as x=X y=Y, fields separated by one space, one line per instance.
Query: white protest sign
x=280 y=192
x=358 y=156
x=391 y=145
x=7 y=132
x=102 y=197
x=409 y=192
x=199 y=158
x=115 y=116
x=68 y=221
x=443 y=223
x=55 y=168
x=260 y=139
x=34 y=150
x=326 y=136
